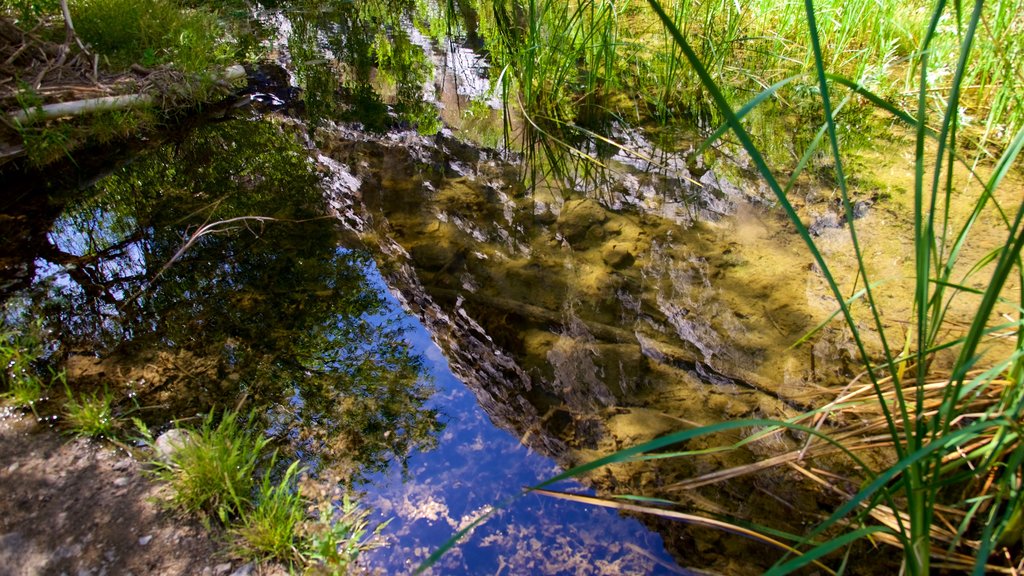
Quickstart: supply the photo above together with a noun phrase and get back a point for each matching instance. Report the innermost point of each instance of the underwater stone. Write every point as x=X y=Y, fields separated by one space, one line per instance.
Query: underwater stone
x=433 y=255
x=617 y=256
x=578 y=216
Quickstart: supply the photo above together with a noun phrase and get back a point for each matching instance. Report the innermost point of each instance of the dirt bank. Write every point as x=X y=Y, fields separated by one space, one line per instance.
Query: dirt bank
x=70 y=506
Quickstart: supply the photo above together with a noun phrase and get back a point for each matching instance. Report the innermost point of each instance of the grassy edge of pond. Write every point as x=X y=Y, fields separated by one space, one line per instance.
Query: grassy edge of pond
x=219 y=471
x=954 y=436
x=117 y=68
x=575 y=71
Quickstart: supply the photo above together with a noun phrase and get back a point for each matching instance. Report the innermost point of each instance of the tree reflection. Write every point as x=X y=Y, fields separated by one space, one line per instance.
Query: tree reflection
x=270 y=310
x=356 y=61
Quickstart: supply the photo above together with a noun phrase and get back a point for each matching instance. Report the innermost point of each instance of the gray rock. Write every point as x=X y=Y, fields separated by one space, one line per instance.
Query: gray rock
x=243 y=570
x=170 y=442
x=145 y=540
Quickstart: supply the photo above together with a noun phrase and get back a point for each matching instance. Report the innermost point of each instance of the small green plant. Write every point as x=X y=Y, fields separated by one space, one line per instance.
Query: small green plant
x=211 y=471
x=269 y=530
x=333 y=536
x=91 y=414
x=20 y=350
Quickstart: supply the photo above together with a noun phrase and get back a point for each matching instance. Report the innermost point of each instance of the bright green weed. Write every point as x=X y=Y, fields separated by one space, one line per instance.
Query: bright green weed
x=91 y=415
x=212 y=472
x=269 y=530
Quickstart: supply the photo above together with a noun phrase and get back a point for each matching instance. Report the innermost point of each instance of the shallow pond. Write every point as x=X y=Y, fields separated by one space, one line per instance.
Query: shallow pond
x=411 y=317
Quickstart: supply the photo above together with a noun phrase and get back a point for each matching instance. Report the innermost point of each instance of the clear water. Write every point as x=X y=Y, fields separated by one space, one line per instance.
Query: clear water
x=475 y=468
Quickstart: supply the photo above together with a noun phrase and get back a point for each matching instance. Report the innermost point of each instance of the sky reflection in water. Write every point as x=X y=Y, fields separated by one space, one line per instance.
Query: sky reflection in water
x=476 y=465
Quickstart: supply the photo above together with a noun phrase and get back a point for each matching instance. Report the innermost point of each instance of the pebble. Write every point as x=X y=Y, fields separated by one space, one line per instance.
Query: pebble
x=145 y=540
x=120 y=482
x=243 y=570
x=222 y=568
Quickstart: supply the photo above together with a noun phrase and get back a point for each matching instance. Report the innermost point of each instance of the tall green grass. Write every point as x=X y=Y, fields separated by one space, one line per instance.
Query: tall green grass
x=926 y=431
x=572 y=69
x=152 y=32
x=953 y=495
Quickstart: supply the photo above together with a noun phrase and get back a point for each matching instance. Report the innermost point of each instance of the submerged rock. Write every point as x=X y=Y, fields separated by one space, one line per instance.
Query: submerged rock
x=617 y=256
x=577 y=218
x=434 y=255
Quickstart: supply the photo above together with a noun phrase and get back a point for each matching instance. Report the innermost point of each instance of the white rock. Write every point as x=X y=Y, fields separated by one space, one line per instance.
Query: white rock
x=170 y=442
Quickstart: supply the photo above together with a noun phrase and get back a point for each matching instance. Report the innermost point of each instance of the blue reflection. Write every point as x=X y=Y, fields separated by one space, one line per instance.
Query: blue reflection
x=477 y=465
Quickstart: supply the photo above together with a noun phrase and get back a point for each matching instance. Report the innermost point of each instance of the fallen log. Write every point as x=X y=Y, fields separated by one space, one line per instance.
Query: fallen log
x=104 y=104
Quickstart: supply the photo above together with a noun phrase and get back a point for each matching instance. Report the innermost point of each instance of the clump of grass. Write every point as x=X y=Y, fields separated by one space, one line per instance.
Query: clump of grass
x=337 y=530
x=20 y=352
x=293 y=519
x=304 y=523
x=269 y=529
x=211 y=473
x=91 y=414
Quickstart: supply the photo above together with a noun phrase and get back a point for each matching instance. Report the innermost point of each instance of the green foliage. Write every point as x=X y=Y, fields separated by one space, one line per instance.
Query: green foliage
x=337 y=533
x=573 y=69
x=287 y=517
x=91 y=414
x=28 y=12
x=920 y=480
x=20 y=351
x=152 y=32
x=212 y=472
x=269 y=529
